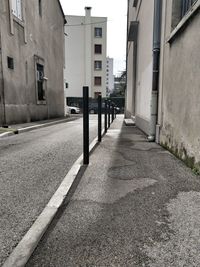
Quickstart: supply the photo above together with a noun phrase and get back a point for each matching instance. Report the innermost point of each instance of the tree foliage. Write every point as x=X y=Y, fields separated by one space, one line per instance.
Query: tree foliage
x=120 y=85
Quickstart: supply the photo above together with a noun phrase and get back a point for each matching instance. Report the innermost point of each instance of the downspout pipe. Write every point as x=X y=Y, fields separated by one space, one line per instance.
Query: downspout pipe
x=156 y=66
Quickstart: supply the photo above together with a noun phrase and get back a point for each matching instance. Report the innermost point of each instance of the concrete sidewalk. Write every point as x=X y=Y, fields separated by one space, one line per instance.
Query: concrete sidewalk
x=25 y=127
x=136 y=205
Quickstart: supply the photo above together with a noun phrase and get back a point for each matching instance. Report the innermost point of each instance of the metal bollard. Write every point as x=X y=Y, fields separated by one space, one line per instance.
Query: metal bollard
x=99 y=117
x=113 y=110
x=105 y=119
x=85 y=125
x=108 y=113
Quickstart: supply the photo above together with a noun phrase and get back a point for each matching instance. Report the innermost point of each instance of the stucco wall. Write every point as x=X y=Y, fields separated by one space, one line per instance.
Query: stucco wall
x=1 y=88
x=40 y=36
x=138 y=94
x=80 y=56
x=75 y=51
x=129 y=83
x=144 y=64
x=130 y=90
x=103 y=41
x=180 y=109
x=109 y=75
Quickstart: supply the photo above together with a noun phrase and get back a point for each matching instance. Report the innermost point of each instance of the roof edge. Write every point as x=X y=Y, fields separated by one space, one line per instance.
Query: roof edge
x=62 y=11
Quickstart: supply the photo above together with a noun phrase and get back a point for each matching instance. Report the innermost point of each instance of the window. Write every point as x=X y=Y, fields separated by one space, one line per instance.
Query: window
x=135 y=2
x=98 y=32
x=98 y=65
x=66 y=85
x=10 y=62
x=40 y=7
x=97 y=80
x=17 y=8
x=40 y=82
x=179 y=9
x=97 y=49
x=186 y=5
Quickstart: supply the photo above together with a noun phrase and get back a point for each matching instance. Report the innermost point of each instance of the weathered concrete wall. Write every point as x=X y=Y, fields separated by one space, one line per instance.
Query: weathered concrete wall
x=74 y=53
x=36 y=35
x=1 y=87
x=139 y=91
x=130 y=82
x=144 y=64
x=179 y=105
x=80 y=54
x=102 y=57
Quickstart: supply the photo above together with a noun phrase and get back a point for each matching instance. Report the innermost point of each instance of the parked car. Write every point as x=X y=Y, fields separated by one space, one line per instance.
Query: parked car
x=73 y=110
x=117 y=109
x=93 y=108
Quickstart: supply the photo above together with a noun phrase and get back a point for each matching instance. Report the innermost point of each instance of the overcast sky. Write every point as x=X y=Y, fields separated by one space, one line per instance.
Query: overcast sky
x=116 y=12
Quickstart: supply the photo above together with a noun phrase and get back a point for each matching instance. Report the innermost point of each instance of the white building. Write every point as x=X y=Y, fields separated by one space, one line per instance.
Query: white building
x=85 y=54
x=162 y=75
x=109 y=76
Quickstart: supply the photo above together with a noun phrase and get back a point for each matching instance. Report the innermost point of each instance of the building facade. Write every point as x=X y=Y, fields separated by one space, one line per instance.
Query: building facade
x=139 y=56
x=31 y=60
x=163 y=73
x=85 y=46
x=109 y=76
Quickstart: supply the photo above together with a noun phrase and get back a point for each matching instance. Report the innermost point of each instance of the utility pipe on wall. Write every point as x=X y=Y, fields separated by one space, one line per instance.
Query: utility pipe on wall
x=156 y=65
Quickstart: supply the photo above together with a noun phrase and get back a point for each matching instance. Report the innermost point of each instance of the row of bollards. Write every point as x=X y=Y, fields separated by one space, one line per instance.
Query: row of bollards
x=110 y=115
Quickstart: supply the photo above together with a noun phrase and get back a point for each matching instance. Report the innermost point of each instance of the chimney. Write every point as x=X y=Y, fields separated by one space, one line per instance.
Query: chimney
x=88 y=11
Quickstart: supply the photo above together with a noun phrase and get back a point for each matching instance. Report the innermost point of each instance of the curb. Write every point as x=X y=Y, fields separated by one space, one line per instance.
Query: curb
x=6 y=134
x=23 y=251
x=34 y=127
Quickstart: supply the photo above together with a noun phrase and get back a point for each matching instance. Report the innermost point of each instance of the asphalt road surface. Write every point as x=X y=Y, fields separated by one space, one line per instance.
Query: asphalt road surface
x=32 y=166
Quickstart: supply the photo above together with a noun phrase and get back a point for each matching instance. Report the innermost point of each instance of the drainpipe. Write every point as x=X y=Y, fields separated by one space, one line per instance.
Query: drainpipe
x=156 y=65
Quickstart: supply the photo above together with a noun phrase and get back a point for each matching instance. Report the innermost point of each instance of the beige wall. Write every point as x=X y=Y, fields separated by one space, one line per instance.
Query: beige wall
x=139 y=97
x=80 y=56
x=179 y=107
x=130 y=90
x=102 y=57
x=75 y=56
x=130 y=82
x=144 y=64
x=40 y=36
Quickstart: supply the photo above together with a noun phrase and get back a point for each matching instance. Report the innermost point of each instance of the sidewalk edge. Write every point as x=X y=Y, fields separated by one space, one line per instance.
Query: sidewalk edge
x=23 y=251
x=34 y=127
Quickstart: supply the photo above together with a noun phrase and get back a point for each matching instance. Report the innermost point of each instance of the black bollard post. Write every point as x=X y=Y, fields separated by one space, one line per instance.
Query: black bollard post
x=113 y=110
x=105 y=120
x=85 y=125
x=108 y=113
x=99 y=117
